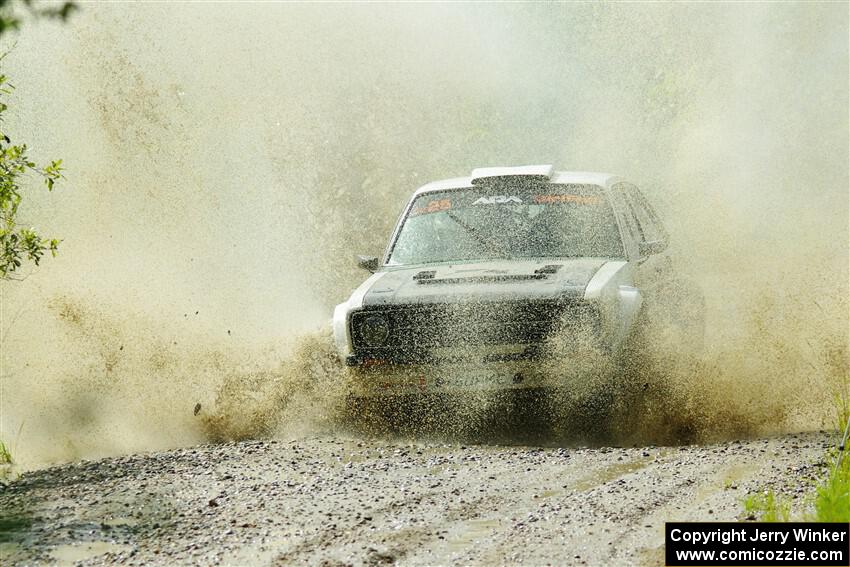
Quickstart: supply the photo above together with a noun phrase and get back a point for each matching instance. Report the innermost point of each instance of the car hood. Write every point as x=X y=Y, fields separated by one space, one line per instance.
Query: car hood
x=497 y=280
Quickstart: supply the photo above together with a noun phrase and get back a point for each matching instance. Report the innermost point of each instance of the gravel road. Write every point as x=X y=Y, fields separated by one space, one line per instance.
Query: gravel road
x=335 y=501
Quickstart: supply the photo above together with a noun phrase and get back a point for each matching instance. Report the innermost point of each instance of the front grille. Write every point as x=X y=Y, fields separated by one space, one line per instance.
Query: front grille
x=416 y=329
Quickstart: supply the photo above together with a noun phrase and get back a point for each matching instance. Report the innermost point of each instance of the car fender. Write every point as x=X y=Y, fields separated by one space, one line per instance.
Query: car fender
x=629 y=304
x=618 y=301
x=342 y=338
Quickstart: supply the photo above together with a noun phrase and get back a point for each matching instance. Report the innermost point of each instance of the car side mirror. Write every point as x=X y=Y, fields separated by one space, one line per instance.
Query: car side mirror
x=368 y=263
x=652 y=247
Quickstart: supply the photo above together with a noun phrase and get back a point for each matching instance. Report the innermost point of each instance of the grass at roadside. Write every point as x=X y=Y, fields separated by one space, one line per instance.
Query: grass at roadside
x=830 y=502
x=6 y=463
x=767 y=507
x=5 y=454
x=832 y=494
x=832 y=499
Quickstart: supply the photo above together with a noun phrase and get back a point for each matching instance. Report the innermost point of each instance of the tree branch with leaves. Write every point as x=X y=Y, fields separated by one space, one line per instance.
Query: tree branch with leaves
x=19 y=244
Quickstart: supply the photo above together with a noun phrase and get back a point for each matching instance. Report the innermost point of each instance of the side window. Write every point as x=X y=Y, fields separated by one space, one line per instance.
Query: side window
x=648 y=225
x=631 y=230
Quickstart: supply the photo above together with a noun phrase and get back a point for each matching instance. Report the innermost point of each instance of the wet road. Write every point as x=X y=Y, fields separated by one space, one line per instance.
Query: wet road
x=340 y=501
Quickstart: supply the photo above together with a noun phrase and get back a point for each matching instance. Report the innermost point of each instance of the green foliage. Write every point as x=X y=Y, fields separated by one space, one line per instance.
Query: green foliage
x=832 y=503
x=7 y=465
x=12 y=12
x=19 y=244
x=5 y=455
x=832 y=497
x=768 y=507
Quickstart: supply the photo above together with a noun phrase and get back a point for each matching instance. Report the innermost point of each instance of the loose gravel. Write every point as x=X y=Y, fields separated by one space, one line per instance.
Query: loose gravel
x=349 y=501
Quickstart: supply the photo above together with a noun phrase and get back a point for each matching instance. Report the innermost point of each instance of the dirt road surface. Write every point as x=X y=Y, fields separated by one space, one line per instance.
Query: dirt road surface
x=340 y=501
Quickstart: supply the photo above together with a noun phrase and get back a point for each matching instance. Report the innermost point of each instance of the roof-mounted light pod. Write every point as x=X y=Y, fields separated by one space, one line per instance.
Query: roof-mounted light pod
x=483 y=174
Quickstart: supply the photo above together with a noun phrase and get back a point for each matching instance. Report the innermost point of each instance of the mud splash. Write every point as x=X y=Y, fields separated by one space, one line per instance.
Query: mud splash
x=666 y=392
x=306 y=393
x=219 y=185
x=773 y=378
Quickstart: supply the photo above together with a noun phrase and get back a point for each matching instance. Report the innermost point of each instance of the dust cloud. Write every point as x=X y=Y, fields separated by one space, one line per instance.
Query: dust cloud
x=225 y=163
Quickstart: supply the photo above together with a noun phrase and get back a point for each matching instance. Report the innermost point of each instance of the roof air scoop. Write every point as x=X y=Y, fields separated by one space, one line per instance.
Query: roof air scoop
x=483 y=174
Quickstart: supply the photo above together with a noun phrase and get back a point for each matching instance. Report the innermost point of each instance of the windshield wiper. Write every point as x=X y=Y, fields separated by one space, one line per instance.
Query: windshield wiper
x=488 y=244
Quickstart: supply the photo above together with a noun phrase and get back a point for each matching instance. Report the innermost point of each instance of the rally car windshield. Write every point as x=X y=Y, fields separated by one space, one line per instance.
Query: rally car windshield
x=537 y=220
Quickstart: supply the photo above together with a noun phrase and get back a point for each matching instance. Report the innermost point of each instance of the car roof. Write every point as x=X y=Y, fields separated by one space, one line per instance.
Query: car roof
x=578 y=177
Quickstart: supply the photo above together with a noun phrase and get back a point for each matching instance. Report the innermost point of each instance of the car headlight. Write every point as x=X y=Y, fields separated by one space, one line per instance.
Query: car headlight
x=374 y=330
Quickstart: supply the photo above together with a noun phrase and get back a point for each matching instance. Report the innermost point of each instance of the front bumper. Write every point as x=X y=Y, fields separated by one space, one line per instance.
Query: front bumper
x=382 y=379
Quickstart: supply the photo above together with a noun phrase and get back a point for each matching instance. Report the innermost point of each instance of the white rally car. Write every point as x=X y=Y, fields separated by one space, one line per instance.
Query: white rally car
x=511 y=278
